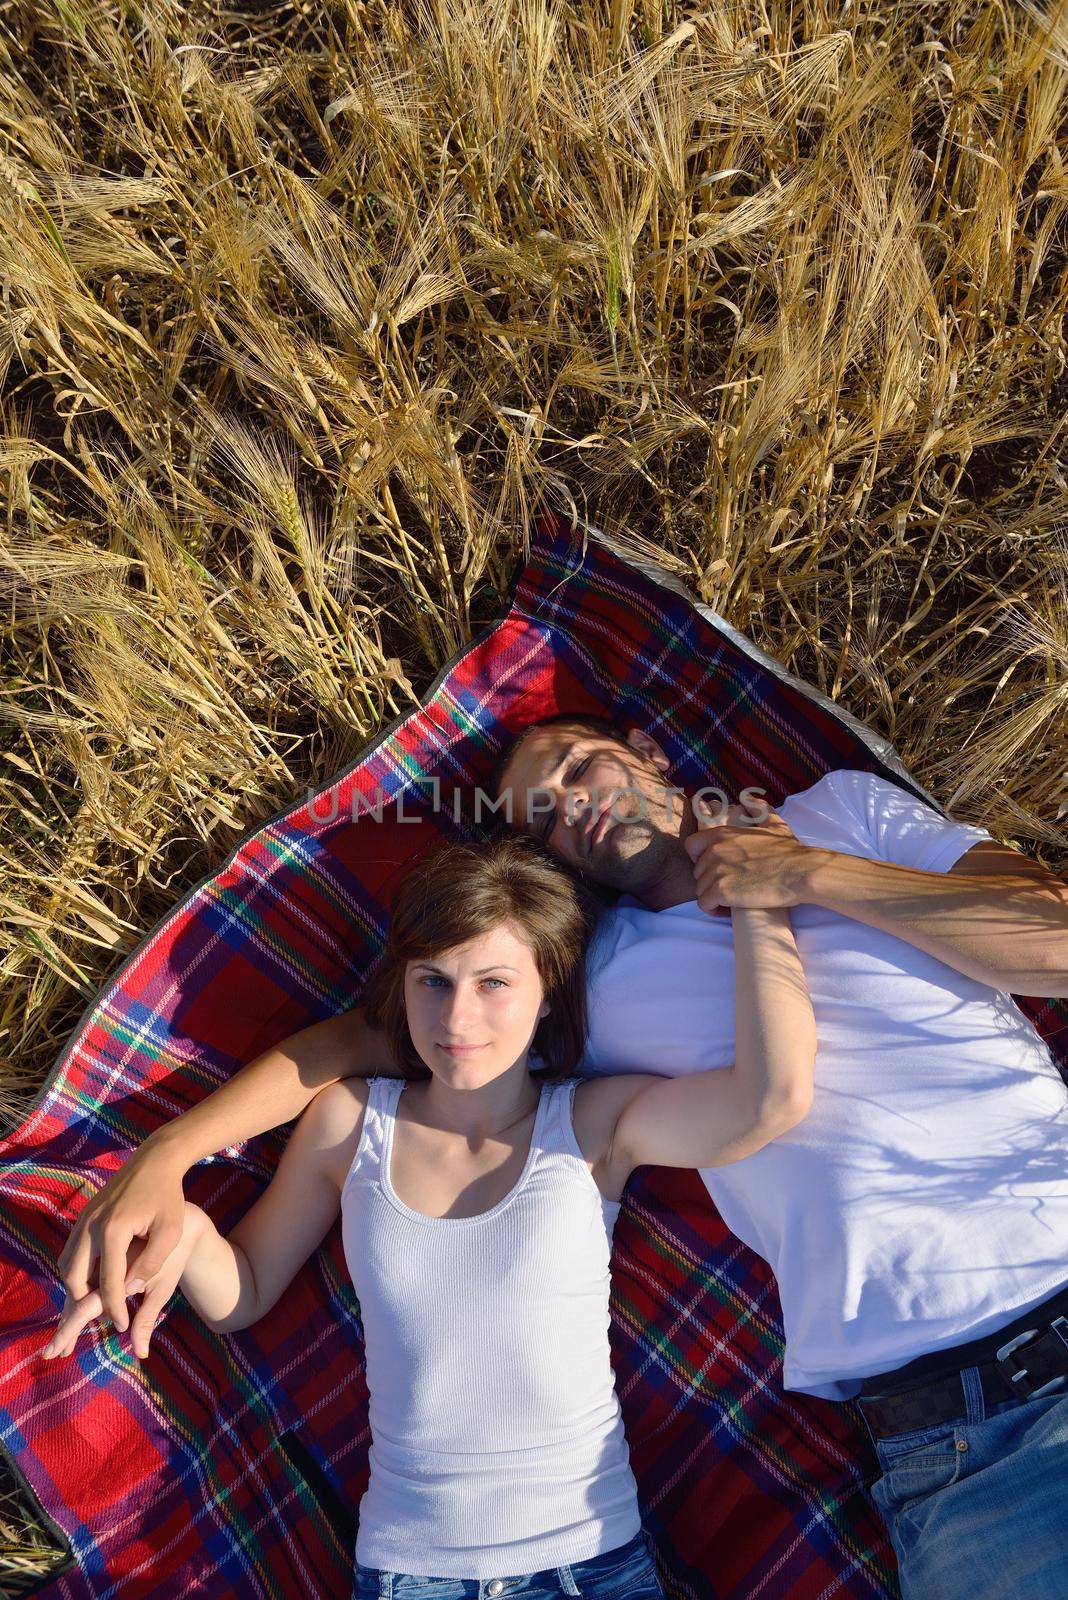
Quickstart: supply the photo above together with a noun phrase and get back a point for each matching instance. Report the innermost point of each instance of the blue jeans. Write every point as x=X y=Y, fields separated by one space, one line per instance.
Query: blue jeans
x=977 y=1508
x=626 y=1573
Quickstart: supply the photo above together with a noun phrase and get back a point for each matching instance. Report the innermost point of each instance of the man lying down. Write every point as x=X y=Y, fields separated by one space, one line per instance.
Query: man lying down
x=916 y=1220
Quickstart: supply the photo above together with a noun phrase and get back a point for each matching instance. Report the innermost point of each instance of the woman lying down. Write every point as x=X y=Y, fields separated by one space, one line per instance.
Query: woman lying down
x=477 y=1202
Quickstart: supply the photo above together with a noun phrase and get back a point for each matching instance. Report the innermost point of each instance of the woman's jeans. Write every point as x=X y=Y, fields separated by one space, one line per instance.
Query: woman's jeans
x=626 y=1573
x=978 y=1508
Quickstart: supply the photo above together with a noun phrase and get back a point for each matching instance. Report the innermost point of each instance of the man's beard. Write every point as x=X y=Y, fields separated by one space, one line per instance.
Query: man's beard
x=632 y=847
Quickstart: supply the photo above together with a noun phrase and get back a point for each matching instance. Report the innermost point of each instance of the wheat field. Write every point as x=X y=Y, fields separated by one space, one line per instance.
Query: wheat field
x=305 y=307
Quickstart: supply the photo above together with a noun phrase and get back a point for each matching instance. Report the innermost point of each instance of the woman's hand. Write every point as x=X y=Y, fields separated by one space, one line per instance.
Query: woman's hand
x=143 y=1201
x=78 y=1312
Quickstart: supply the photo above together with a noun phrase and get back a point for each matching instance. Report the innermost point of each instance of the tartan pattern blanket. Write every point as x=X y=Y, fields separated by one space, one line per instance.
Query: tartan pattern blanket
x=234 y=1465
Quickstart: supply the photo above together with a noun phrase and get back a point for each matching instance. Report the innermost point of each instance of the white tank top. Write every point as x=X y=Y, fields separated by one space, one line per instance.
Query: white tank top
x=497 y=1438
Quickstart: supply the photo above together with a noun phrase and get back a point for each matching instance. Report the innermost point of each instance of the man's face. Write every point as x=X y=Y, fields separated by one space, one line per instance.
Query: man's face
x=605 y=808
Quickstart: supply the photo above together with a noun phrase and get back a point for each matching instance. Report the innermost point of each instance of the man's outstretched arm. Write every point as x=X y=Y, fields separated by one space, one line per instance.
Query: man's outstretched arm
x=996 y=916
x=145 y=1200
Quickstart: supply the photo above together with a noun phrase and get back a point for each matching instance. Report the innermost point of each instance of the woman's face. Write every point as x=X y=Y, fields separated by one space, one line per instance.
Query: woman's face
x=486 y=995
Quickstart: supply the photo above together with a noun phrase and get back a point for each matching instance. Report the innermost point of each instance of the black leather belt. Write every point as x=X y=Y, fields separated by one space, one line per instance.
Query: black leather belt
x=1017 y=1361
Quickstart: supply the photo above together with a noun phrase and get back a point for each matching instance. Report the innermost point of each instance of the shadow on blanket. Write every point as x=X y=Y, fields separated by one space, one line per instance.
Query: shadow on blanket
x=235 y=1465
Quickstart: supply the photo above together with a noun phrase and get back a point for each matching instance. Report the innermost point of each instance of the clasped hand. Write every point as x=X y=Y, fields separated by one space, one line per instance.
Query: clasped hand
x=742 y=860
x=78 y=1313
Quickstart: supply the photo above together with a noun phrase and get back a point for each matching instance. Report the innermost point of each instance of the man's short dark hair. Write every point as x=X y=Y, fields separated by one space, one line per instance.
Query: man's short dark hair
x=588 y=721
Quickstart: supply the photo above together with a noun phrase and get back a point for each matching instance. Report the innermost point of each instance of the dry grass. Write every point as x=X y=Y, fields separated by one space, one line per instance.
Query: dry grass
x=304 y=308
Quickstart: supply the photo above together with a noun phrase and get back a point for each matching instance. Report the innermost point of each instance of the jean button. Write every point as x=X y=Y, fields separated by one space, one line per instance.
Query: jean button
x=496 y=1587
x=962 y=1444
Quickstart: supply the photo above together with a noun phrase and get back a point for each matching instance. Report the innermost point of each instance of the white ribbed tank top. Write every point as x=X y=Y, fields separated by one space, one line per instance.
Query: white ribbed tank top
x=497 y=1439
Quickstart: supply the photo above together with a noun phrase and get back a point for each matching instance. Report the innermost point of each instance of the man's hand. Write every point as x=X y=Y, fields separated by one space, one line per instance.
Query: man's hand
x=143 y=1200
x=79 y=1311
x=741 y=860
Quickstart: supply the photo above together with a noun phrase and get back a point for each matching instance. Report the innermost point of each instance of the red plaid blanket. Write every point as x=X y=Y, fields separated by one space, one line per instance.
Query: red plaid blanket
x=234 y=1465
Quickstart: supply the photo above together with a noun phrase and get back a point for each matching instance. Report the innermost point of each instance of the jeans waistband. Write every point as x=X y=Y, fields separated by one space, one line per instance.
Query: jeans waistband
x=940 y=1363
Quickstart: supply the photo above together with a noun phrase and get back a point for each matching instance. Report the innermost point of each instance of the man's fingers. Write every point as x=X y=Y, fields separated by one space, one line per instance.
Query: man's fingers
x=707 y=816
x=708 y=813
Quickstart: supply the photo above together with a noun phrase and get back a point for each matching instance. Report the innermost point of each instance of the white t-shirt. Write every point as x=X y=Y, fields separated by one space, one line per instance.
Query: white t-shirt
x=924 y=1199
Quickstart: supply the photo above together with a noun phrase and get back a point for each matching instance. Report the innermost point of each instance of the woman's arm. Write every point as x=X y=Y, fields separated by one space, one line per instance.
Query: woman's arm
x=278 y=1085
x=707 y=1119
x=144 y=1198
x=234 y=1281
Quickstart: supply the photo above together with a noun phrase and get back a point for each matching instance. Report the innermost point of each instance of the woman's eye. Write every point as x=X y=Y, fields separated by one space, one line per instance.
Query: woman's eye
x=501 y=981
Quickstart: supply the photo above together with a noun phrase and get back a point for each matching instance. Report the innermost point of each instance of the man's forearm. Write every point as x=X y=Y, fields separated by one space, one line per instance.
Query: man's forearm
x=1006 y=931
x=276 y=1087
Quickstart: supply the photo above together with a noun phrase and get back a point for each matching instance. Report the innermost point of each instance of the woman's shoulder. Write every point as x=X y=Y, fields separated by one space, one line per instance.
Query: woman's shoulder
x=343 y=1101
x=598 y=1105
x=333 y=1121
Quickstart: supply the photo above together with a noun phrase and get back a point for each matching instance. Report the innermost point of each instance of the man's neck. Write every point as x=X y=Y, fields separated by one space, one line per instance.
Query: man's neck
x=675 y=887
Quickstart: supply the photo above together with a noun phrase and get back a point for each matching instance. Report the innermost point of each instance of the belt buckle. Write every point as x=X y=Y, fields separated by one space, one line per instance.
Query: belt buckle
x=1019 y=1379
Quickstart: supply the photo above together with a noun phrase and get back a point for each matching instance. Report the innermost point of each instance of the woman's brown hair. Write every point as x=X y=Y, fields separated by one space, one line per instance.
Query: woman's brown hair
x=456 y=893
